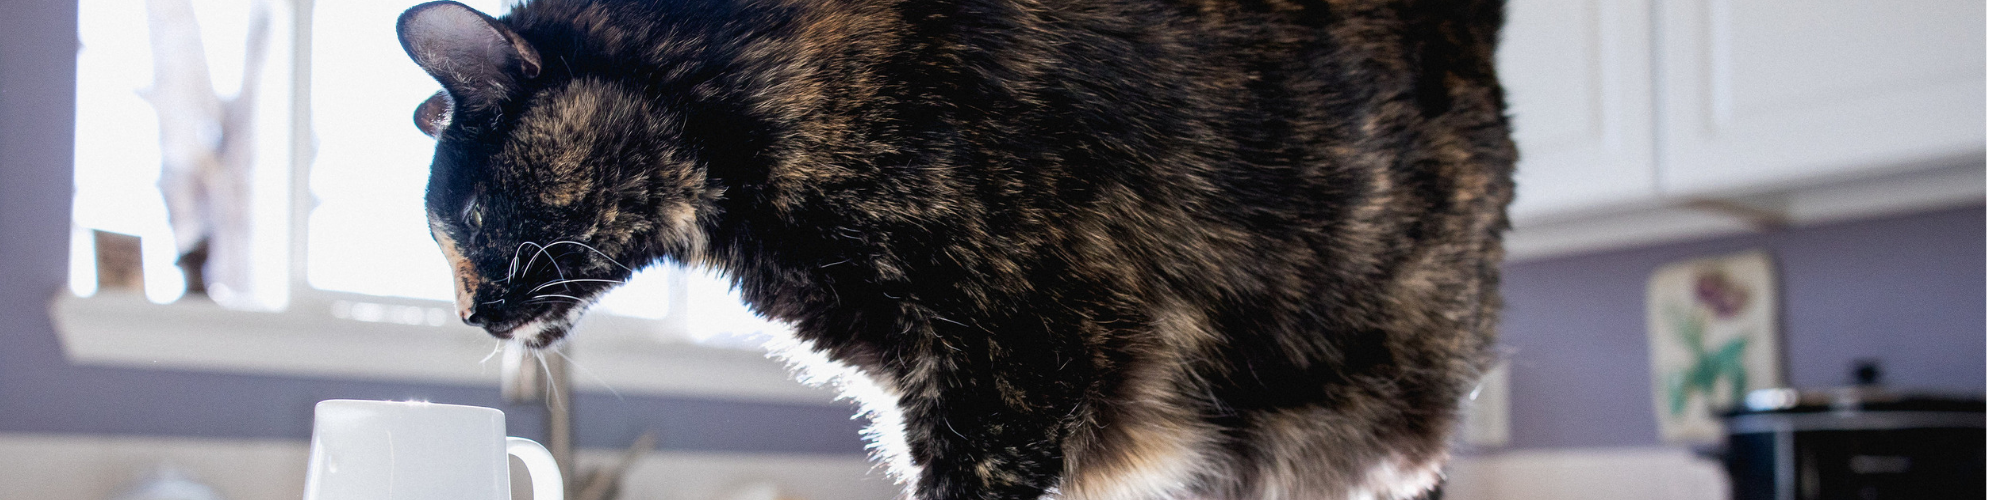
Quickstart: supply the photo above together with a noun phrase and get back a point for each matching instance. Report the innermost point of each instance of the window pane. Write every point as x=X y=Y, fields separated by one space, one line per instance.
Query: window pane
x=367 y=232
x=118 y=137
x=116 y=185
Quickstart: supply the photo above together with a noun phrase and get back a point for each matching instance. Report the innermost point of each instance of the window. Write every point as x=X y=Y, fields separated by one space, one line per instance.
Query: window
x=325 y=191
x=123 y=97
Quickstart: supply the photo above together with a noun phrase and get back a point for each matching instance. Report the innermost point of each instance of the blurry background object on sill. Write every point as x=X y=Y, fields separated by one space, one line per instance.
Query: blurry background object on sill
x=118 y=263
x=167 y=482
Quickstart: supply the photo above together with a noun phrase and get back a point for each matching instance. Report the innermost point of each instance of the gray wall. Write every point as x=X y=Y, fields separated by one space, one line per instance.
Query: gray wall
x=40 y=392
x=1909 y=291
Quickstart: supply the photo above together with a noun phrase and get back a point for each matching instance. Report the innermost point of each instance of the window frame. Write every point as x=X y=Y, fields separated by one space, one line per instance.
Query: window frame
x=325 y=333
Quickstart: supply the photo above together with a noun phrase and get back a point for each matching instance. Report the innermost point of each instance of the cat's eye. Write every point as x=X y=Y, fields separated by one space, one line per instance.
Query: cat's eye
x=470 y=214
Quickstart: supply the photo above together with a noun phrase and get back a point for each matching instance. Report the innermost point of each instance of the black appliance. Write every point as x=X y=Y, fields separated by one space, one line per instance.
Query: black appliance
x=1856 y=443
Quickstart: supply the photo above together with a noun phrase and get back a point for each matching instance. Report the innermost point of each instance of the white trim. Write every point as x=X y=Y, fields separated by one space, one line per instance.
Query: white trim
x=1687 y=218
x=307 y=339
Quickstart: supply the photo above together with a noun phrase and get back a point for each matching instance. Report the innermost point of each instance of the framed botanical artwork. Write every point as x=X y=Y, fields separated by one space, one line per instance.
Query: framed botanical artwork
x=1713 y=330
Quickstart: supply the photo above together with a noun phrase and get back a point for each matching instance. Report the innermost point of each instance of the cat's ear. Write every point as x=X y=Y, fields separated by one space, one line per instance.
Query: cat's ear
x=471 y=54
x=434 y=114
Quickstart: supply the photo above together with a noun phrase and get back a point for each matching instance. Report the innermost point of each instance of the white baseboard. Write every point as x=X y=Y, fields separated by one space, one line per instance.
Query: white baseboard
x=1587 y=474
x=80 y=467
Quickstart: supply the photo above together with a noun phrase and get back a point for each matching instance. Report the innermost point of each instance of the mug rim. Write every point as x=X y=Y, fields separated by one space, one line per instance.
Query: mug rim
x=400 y=405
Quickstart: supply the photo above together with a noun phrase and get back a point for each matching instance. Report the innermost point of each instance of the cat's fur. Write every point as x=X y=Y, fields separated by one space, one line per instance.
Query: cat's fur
x=1087 y=249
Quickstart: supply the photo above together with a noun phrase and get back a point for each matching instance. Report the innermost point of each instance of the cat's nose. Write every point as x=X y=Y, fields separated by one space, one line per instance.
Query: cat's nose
x=473 y=315
x=487 y=318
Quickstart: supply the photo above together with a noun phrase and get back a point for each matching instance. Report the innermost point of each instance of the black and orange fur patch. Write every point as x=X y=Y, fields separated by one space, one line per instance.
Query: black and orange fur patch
x=1100 y=249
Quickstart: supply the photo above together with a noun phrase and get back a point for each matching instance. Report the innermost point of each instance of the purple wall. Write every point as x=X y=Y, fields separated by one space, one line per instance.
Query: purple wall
x=40 y=392
x=1909 y=291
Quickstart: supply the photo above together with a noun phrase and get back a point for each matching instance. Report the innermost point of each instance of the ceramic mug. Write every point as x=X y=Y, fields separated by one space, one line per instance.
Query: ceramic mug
x=384 y=450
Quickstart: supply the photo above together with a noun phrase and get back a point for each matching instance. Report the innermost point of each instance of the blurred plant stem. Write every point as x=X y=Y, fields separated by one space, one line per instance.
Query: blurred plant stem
x=206 y=146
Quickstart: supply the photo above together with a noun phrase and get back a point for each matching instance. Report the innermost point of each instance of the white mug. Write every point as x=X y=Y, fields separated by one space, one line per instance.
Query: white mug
x=388 y=450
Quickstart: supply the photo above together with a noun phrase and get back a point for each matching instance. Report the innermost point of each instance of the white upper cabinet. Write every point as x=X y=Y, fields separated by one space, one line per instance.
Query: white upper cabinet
x=1579 y=91
x=1762 y=94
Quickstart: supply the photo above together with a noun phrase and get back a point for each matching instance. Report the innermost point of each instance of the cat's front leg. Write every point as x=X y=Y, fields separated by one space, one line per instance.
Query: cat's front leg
x=984 y=421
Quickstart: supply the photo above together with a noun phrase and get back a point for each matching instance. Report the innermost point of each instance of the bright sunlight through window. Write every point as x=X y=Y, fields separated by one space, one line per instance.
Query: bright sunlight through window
x=364 y=230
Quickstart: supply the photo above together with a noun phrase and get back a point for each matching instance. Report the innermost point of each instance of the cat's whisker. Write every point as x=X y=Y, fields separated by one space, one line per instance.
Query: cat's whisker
x=539 y=252
x=954 y=430
x=551 y=388
x=546 y=285
x=497 y=347
x=586 y=372
x=554 y=263
x=512 y=264
x=578 y=300
x=567 y=281
x=600 y=253
x=557 y=265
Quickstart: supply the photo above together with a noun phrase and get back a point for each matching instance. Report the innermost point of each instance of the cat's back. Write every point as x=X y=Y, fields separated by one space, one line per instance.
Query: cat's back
x=1273 y=225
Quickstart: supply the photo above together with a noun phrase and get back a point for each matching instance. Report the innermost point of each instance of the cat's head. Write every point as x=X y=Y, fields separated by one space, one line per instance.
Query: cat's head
x=546 y=190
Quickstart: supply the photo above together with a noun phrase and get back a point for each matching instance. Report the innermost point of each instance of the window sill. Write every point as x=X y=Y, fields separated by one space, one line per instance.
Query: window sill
x=310 y=339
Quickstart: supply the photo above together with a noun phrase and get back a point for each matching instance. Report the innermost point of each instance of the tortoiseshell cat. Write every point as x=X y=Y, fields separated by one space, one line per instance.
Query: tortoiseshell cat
x=1077 y=249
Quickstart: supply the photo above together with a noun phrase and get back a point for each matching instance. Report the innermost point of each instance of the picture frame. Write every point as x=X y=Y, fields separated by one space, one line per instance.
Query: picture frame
x=1713 y=337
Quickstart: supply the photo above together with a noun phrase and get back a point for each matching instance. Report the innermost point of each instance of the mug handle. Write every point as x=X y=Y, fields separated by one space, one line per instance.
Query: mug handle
x=542 y=471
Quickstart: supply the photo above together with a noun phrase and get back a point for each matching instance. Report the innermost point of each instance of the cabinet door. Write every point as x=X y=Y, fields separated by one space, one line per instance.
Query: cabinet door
x=1768 y=93
x=1578 y=81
